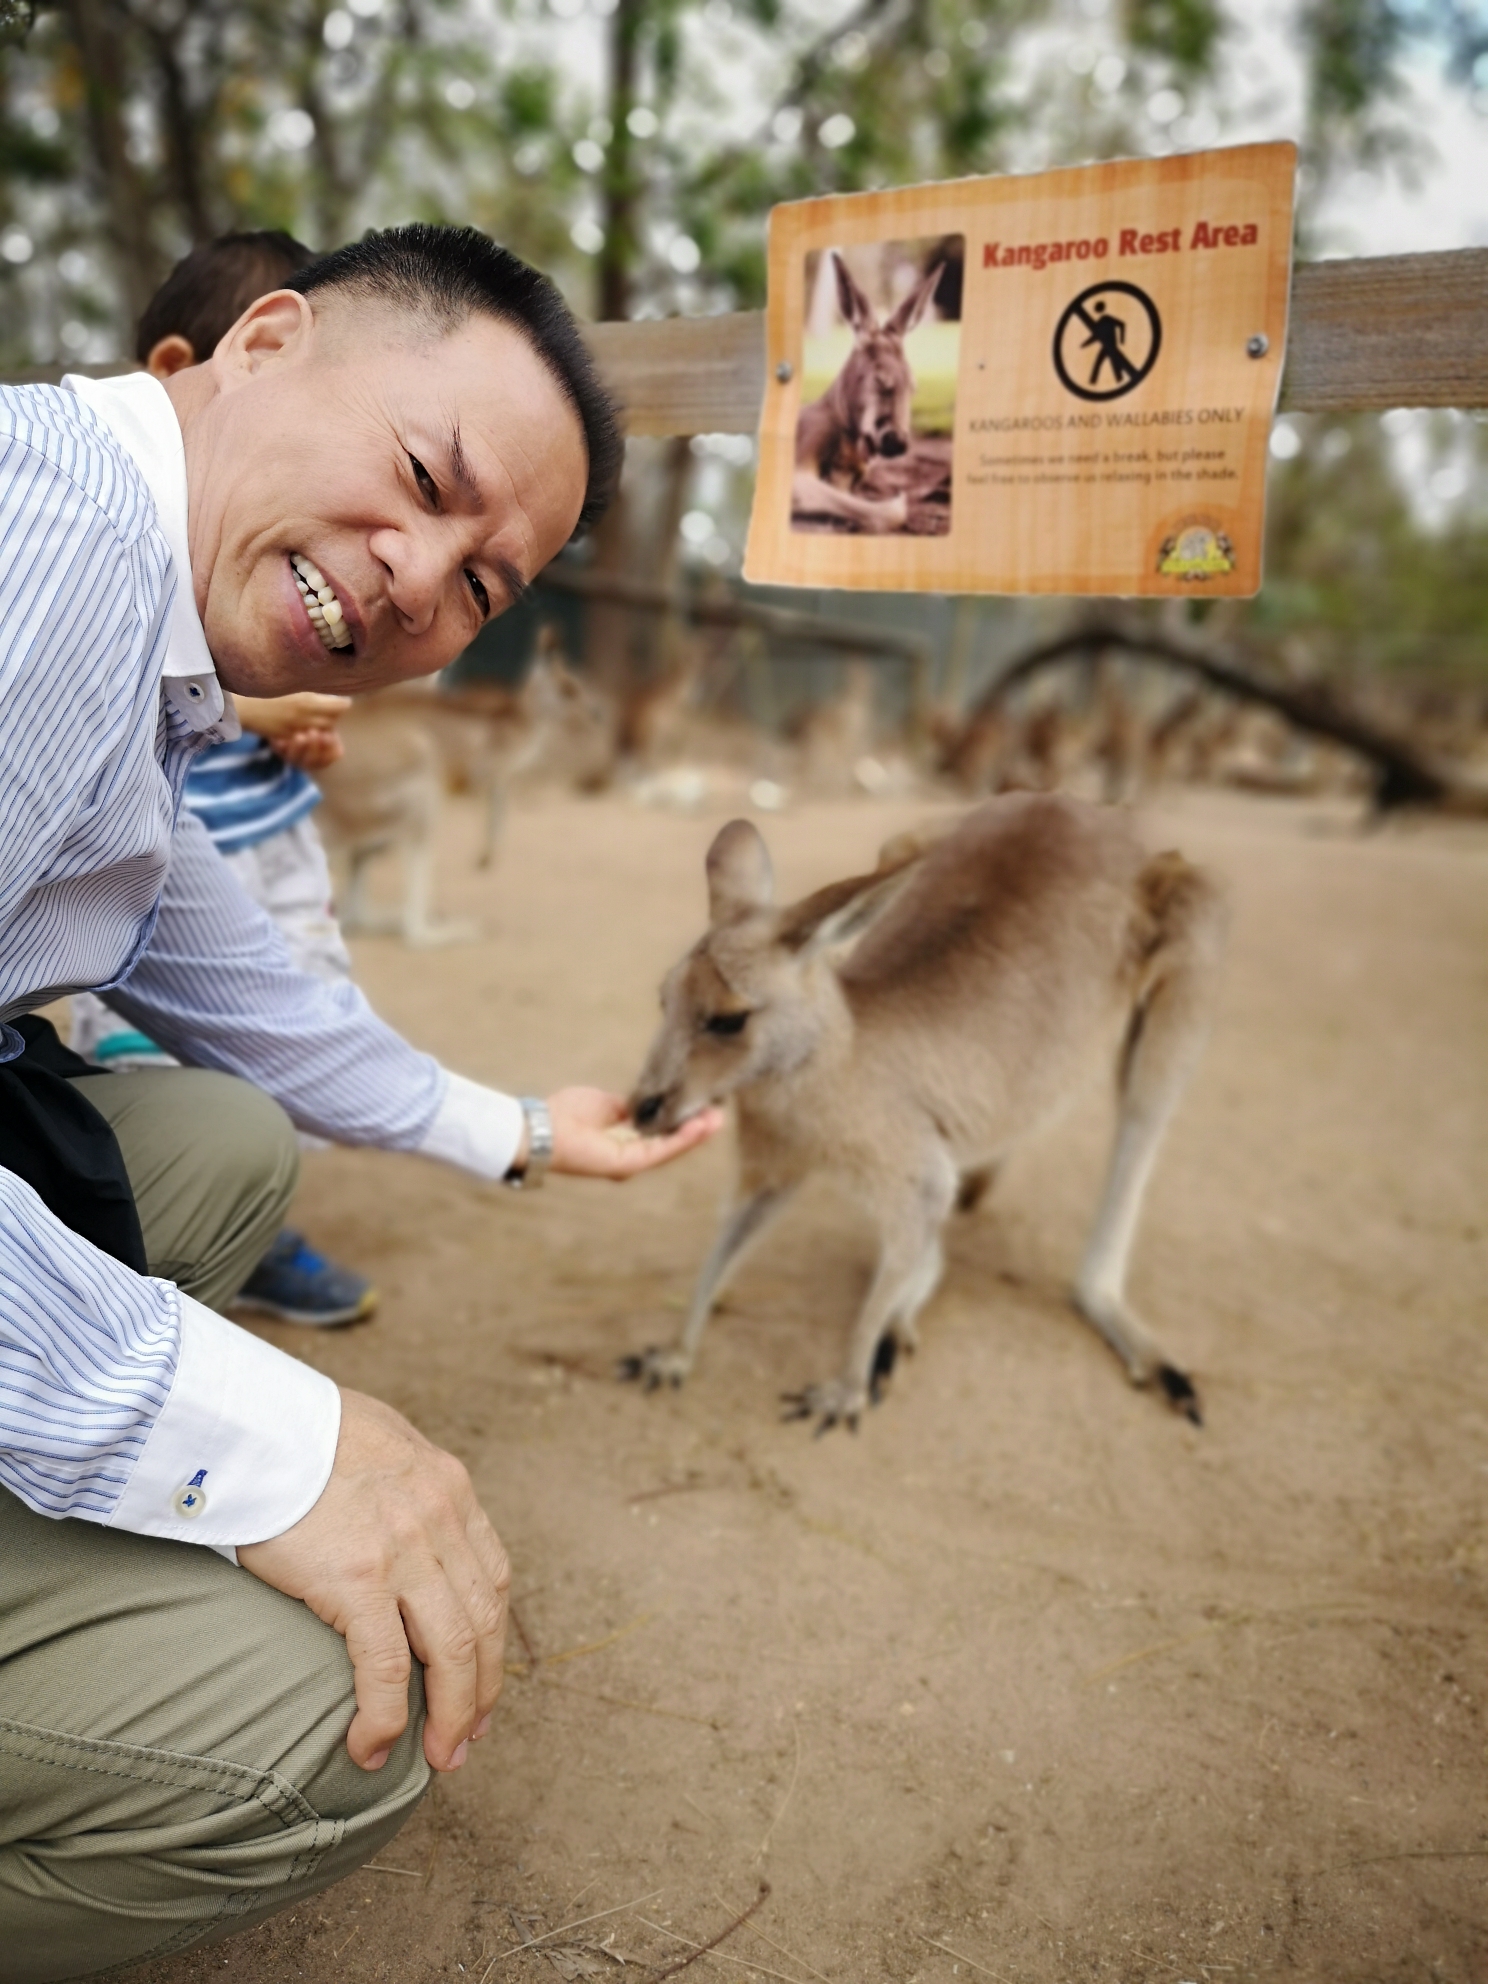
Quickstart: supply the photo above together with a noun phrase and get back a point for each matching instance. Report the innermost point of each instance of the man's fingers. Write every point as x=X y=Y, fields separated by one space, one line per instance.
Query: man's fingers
x=479 y=1576
x=380 y=1664
x=647 y=1152
x=443 y=1635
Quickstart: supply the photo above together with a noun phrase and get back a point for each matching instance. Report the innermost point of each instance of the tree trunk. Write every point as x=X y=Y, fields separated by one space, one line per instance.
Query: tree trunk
x=98 y=34
x=183 y=136
x=609 y=628
x=617 y=258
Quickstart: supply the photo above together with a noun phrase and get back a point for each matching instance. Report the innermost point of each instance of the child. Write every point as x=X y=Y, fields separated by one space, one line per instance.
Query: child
x=254 y=796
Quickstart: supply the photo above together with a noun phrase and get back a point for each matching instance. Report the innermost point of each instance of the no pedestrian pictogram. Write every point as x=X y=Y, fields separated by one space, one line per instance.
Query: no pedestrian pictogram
x=1107 y=341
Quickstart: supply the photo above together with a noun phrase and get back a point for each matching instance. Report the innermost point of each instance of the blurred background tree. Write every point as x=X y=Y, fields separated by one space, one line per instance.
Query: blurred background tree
x=634 y=148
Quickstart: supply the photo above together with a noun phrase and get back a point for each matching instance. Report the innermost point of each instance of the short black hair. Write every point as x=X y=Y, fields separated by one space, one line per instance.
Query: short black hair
x=447 y=274
x=208 y=290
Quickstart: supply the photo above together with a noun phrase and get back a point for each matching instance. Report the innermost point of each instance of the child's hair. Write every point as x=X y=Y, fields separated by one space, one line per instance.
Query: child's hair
x=205 y=294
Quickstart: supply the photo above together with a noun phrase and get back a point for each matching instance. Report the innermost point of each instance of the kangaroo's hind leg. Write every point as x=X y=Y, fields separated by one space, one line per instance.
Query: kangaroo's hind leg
x=1169 y=1022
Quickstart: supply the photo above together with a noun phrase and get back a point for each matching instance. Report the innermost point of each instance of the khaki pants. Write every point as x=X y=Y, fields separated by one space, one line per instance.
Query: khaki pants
x=172 y=1732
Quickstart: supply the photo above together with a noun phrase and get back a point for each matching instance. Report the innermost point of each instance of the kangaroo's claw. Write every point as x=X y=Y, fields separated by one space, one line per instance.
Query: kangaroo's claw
x=1178 y=1389
x=836 y=1403
x=653 y=1368
x=883 y=1366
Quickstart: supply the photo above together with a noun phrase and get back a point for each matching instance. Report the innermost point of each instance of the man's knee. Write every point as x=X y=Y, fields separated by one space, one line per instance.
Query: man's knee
x=173 y=1762
x=213 y=1164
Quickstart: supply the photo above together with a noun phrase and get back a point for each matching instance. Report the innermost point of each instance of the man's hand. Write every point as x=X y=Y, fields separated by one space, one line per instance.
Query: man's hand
x=398 y=1554
x=593 y=1136
x=301 y=728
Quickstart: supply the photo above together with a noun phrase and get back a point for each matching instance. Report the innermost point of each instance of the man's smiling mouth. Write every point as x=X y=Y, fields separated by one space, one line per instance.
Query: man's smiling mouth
x=327 y=616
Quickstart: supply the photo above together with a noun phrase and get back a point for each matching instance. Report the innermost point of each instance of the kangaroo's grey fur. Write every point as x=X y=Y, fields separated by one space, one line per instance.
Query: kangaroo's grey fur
x=906 y=1029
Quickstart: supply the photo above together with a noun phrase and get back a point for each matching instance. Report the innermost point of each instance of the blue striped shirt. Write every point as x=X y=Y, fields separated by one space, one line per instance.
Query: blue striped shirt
x=243 y=791
x=107 y=883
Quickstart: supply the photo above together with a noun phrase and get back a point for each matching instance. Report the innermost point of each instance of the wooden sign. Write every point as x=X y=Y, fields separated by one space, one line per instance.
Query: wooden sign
x=1055 y=384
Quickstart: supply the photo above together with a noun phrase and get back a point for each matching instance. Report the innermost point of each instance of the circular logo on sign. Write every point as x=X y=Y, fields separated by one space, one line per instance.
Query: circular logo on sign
x=1107 y=341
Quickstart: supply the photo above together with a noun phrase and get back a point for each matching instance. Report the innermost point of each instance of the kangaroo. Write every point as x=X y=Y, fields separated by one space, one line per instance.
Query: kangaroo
x=903 y=1031
x=863 y=415
x=405 y=745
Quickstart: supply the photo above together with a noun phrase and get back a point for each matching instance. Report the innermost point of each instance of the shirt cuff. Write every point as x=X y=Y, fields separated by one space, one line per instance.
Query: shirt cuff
x=480 y=1129
x=243 y=1447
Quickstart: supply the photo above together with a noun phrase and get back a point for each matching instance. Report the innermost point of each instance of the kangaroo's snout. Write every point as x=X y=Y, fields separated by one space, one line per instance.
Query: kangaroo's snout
x=892 y=444
x=645 y=1111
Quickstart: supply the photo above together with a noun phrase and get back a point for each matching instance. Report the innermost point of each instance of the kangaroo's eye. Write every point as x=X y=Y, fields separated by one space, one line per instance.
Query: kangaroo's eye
x=726 y=1024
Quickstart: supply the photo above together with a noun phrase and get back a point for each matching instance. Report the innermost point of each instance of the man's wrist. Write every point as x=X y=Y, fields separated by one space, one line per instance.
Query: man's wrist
x=535 y=1150
x=475 y=1127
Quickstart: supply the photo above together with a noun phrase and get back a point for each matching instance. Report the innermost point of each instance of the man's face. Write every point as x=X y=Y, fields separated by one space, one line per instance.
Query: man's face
x=424 y=480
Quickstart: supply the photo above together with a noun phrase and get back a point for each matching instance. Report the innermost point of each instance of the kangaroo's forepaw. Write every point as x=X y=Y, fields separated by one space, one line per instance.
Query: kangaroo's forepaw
x=654 y=1368
x=1178 y=1389
x=836 y=1403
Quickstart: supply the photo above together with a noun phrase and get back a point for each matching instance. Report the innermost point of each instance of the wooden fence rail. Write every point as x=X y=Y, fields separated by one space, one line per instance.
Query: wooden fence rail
x=1393 y=330
x=1390 y=330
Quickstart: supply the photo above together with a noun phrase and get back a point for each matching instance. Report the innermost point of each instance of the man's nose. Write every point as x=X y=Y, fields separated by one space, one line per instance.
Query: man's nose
x=418 y=575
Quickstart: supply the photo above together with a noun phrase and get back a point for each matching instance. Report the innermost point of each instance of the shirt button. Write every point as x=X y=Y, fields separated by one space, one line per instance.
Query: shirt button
x=189 y=1501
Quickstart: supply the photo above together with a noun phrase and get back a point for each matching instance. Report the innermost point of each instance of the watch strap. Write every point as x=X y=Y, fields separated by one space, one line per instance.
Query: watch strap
x=530 y=1172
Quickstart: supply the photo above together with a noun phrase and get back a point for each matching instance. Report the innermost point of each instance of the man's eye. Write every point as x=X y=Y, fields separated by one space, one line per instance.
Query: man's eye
x=725 y=1023
x=481 y=596
x=428 y=488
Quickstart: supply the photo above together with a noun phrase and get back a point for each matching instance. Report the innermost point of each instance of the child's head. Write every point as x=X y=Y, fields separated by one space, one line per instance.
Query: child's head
x=205 y=294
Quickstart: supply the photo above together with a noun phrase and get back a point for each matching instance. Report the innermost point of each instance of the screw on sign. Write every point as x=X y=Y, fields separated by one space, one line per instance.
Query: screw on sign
x=1107 y=341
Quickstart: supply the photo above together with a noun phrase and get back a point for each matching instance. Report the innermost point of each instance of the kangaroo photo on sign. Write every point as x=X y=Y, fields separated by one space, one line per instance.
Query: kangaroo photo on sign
x=1060 y=383
x=880 y=354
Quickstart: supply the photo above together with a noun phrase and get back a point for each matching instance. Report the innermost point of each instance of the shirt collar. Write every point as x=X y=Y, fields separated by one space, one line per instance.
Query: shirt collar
x=137 y=410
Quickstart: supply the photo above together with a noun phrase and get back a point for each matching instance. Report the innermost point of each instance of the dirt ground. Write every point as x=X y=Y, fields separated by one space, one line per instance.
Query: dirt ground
x=1030 y=1680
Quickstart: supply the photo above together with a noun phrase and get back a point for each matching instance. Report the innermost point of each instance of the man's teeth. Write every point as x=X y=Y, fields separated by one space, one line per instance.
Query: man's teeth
x=325 y=610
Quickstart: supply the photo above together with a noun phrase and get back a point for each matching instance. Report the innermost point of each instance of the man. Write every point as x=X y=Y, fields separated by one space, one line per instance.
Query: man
x=253 y=794
x=372 y=462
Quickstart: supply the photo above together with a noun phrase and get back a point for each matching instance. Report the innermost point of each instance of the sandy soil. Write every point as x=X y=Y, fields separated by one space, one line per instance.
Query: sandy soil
x=1030 y=1680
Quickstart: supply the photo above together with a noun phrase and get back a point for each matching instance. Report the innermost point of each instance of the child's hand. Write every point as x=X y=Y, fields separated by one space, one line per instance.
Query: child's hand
x=301 y=728
x=310 y=750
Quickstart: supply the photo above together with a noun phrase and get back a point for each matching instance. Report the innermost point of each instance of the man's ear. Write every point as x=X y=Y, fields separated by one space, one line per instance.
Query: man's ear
x=170 y=355
x=273 y=328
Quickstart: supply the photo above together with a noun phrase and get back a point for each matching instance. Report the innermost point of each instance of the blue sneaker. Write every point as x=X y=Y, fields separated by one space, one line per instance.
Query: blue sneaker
x=298 y=1285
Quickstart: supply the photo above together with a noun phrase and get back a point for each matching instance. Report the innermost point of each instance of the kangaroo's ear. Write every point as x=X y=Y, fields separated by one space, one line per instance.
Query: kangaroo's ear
x=912 y=310
x=837 y=917
x=853 y=303
x=740 y=877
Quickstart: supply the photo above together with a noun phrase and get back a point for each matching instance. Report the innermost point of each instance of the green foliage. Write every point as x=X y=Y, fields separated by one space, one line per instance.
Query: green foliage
x=1356 y=575
x=1185 y=32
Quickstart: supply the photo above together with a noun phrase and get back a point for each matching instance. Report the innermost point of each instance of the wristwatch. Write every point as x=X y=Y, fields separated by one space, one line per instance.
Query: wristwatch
x=529 y=1171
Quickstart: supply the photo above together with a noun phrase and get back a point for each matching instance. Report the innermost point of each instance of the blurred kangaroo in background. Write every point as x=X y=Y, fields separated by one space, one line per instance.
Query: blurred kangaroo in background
x=406 y=745
x=863 y=414
x=905 y=1030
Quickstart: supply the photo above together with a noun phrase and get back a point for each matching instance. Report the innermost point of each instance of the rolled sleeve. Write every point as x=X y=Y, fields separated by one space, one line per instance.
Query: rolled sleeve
x=477 y=1128
x=243 y=1446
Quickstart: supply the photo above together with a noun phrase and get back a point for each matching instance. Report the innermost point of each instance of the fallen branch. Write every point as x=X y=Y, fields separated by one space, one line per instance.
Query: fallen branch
x=1402 y=776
